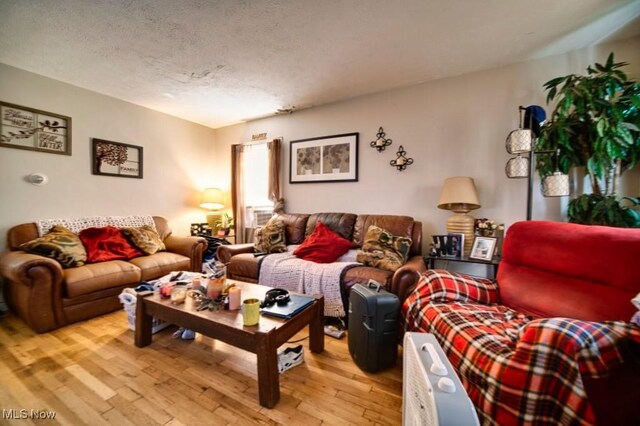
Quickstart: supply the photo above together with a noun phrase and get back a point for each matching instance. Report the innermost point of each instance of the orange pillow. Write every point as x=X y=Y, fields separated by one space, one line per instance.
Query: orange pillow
x=323 y=245
x=107 y=243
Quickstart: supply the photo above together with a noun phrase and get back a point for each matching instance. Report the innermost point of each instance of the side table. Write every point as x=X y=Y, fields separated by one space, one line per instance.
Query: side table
x=464 y=265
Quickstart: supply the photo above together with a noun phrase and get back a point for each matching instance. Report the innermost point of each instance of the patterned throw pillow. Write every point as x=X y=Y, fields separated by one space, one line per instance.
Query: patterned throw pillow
x=382 y=249
x=59 y=244
x=270 y=238
x=145 y=238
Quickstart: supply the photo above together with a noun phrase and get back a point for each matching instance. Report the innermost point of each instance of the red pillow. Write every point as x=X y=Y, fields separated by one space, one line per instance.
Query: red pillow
x=323 y=245
x=107 y=243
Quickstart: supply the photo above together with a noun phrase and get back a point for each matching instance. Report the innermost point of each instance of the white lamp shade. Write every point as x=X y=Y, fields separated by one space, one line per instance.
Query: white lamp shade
x=212 y=199
x=459 y=194
x=519 y=141
x=555 y=185
x=517 y=167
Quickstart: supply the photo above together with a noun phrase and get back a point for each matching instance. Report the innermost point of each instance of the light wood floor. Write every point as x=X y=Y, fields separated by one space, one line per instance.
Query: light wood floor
x=91 y=373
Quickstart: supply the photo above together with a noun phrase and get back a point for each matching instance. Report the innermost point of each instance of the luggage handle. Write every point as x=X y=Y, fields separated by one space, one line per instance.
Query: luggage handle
x=374 y=284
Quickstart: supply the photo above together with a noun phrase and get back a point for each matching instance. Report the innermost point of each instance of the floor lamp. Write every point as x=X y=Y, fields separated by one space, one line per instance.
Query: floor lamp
x=522 y=141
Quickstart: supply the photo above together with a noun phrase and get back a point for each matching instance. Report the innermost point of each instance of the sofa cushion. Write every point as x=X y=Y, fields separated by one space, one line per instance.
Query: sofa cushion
x=107 y=243
x=323 y=245
x=397 y=225
x=59 y=244
x=161 y=263
x=270 y=237
x=99 y=276
x=555 y=269
x=384 y=250
x=145 y=238
x=341 y=223
x=244 y=267
x=295 y=225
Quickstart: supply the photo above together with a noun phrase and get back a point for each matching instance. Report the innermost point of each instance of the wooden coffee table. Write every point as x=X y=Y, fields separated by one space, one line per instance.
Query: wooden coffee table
x=262 y=339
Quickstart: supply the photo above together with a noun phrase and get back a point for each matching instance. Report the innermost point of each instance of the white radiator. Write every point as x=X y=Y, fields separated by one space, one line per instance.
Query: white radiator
x=432 y=394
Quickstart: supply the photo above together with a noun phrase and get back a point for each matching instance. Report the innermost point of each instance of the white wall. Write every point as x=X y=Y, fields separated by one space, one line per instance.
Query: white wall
x=451 y=127
x=178 y=159
x=454 y=126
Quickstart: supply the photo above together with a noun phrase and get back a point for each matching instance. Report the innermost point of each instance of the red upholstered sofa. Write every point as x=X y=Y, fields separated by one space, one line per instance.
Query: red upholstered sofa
x=549 y=342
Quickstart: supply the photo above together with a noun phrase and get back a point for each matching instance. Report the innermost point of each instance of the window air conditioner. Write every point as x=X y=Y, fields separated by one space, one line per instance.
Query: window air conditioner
x=258 y=216
x=432 y=394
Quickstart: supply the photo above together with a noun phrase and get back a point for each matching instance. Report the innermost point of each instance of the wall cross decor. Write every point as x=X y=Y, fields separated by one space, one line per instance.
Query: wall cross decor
x=381 y=142
x=401 y=162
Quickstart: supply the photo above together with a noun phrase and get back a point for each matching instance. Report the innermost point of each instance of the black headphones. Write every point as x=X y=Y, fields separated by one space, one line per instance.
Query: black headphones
x=276 y=295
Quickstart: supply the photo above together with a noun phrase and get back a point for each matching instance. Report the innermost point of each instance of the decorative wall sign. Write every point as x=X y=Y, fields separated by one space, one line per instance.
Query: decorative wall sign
x=324 y=159
x=35 y=130
x=381 y=142
x=401 y=162
x=116 y=159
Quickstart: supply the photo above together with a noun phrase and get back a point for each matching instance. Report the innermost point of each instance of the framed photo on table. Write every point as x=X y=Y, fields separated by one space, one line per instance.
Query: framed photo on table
x=324 y=159
x=483 y=248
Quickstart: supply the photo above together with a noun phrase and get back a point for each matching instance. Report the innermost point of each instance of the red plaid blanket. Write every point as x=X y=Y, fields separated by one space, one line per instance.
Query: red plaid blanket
x=516 y=370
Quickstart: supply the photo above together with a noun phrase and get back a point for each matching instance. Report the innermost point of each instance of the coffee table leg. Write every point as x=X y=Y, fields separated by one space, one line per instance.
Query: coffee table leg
x=316 y=328
x=144 y=322
x=268 y=376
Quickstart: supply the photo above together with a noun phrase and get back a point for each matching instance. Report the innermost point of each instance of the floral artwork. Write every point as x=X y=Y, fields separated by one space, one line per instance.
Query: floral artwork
x=335 y=158
x=27 y=128
x=324 y=159
x=308 y=161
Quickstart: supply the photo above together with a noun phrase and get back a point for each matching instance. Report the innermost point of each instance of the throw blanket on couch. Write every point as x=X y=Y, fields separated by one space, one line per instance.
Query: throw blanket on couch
x=516 y=370
x=284 y=270
x=77 y=225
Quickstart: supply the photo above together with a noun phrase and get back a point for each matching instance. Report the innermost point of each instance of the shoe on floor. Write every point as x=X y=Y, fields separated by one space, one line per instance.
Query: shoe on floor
x=188 y=334
x=290 y=357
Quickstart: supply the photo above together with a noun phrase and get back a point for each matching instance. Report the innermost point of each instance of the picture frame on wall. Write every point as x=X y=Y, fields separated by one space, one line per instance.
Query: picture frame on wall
x=34 y=130
x=483 y=248
x=116 y=159
x=324 y=159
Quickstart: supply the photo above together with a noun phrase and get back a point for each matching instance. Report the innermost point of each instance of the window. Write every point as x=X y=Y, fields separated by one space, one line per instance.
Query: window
x=256 y=185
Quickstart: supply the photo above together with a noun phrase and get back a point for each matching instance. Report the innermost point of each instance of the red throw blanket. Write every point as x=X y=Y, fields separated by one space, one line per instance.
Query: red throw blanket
x=516 y=370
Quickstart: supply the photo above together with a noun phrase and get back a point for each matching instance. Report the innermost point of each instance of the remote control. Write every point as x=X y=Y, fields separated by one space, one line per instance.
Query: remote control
x=333 y=331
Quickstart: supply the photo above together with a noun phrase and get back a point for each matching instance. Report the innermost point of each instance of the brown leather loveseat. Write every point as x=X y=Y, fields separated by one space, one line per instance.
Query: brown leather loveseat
x=47 y=297
x=243 y=265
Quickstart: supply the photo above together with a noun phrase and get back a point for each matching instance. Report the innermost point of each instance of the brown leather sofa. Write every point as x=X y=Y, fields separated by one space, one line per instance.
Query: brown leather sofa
x=47 y=297
x=244 y=266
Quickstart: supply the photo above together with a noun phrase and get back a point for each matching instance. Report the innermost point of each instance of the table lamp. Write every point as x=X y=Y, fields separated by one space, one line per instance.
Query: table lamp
x=460 y=196
x=212 y=200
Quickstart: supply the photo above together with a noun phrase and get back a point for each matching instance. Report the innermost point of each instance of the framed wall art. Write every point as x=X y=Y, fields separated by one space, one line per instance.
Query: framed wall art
x=116 y=159
x=324 y=159
x=35 y=130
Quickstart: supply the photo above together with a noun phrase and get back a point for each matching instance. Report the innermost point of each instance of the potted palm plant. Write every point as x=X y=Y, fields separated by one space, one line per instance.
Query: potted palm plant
x=595 y=126
x=224 y=225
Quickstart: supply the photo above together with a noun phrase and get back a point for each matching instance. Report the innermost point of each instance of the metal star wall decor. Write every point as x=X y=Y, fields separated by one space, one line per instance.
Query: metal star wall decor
x=381 y=142
x=401 y=162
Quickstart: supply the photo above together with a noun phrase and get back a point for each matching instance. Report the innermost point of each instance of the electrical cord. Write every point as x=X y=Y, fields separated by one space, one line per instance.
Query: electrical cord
x=299 y=340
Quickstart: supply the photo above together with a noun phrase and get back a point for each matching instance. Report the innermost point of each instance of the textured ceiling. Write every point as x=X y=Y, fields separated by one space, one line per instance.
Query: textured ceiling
x=221 y=62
